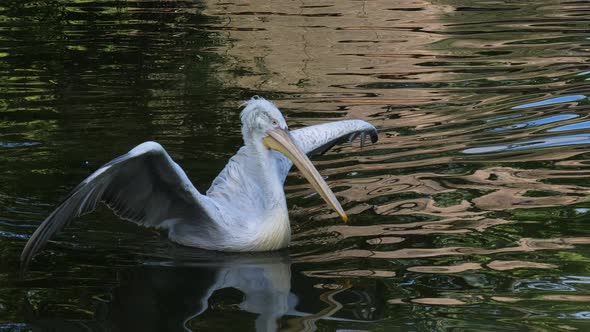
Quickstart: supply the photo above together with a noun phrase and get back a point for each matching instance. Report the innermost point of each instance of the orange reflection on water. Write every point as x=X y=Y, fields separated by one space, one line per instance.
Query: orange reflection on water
x=523 y=245
x=511 y=265
x=349 y=273
x=576 y=298
x=445 y=269
x=318 y=51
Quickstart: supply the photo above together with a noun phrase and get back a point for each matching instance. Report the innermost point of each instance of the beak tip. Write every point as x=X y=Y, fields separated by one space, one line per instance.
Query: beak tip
x=344 y=217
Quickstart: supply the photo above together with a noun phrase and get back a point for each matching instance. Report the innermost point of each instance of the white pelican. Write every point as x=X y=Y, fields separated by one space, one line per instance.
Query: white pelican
x=244 y=209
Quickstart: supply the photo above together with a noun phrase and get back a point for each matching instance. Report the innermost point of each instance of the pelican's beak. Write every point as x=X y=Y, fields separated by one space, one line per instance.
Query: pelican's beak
x=280 y=140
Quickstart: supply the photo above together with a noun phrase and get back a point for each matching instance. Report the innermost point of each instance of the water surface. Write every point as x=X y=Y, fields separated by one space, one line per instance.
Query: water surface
x=470 y=214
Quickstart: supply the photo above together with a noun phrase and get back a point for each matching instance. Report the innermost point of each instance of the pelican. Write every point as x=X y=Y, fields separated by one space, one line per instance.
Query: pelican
x=245 y=208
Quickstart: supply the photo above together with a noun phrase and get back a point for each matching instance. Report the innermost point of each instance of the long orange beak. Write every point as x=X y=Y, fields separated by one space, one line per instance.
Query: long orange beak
x=280 y=140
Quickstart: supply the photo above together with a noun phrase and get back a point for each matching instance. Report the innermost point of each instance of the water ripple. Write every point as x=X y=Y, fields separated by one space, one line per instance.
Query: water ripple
x=551 y=101
x=17 y=144
x=469 y=213
x=537 y=122
x=573 y=126
x=539 y=143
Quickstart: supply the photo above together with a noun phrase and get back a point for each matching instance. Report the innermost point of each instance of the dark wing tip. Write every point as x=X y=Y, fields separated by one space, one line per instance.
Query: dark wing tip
x=29 y=251
x=35 y=243
x=374 y=136
x=25 y=260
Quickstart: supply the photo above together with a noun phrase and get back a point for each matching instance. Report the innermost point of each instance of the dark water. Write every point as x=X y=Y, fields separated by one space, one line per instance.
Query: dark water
x=472 y=212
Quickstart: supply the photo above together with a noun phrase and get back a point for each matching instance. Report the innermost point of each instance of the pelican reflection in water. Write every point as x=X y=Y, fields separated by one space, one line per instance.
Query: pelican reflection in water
x=170 y=295
x=244 y=209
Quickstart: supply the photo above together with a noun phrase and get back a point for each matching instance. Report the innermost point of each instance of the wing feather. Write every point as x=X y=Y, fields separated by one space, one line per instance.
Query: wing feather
x=320 y=138
x=144 y=186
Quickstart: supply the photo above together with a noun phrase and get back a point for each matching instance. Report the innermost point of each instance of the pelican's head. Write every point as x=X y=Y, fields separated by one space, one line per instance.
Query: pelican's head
x=258 y=117
x=263 y=122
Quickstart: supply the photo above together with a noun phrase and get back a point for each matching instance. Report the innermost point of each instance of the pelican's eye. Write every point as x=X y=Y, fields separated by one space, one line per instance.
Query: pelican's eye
x=274 y=123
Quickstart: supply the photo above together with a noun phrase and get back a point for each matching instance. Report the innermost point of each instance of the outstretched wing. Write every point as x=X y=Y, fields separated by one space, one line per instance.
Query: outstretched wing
x=320 y=138
x=144 y=186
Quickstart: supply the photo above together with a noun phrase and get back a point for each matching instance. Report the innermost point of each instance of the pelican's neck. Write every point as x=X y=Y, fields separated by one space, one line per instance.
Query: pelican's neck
x=266 y=173
x=250 y=180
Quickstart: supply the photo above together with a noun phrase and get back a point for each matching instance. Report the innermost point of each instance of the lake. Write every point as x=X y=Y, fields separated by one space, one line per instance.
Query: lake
x=471 y=213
